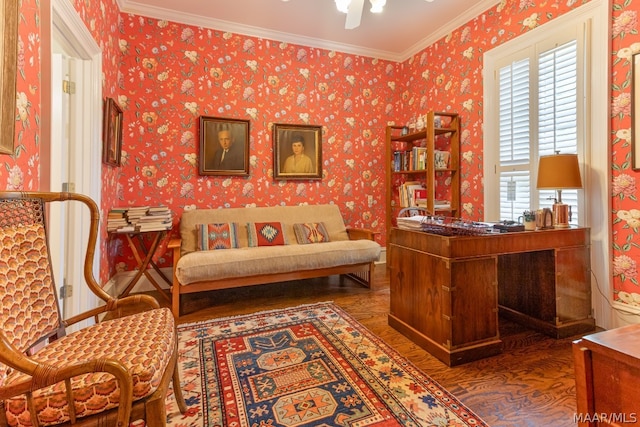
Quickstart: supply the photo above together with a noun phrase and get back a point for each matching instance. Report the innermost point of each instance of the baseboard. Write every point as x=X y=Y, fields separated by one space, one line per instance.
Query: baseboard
x=119 y=282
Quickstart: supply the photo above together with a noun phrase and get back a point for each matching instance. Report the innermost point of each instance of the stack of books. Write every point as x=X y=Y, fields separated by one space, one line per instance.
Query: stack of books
x=139 y=219
x=116 y=220
x=156 y=219
x=411 y=223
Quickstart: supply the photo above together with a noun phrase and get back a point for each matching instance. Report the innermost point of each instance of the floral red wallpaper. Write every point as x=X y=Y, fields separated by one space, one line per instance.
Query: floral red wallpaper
x=171 y=74
x=164 y=75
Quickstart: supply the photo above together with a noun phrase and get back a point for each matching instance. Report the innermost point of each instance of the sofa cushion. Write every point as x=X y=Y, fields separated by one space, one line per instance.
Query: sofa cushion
x=265 y=234
x=243 y=262
x=311 y=232
x=217 y=236
x=287 y=215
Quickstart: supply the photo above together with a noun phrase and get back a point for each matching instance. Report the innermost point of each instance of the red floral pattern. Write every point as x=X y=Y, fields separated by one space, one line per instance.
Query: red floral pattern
x=165 y=75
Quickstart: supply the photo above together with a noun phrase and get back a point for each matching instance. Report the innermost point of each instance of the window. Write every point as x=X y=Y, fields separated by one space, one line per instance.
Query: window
x=591 y=24
x=537 y=91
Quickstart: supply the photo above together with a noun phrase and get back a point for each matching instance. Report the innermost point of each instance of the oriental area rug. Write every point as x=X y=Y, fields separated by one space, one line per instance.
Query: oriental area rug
x=312 y=365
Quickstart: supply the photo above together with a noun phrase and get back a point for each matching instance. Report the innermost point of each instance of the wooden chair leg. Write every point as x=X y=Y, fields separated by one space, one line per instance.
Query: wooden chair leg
x=156 y=412
x=177 y=390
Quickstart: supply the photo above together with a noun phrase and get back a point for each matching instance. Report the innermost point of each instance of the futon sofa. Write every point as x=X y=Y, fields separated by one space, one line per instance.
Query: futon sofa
x=227 y=248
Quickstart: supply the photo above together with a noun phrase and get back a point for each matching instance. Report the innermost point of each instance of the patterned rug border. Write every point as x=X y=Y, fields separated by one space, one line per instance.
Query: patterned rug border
x=192 y=325
x=441 y=393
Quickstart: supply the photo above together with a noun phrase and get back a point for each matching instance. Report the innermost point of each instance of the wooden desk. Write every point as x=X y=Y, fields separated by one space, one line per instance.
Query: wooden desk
x=607 y=368
x=446 y=291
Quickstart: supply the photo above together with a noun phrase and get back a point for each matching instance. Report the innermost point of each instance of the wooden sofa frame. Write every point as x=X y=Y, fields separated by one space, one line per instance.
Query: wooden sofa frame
x=361 y=273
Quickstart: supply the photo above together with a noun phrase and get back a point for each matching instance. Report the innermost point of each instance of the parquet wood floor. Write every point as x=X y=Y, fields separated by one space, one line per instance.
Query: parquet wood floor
x=530 y=384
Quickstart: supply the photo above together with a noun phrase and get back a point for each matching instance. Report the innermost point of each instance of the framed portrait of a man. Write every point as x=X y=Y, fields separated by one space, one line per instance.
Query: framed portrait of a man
x=297 y=151
x=224 y=146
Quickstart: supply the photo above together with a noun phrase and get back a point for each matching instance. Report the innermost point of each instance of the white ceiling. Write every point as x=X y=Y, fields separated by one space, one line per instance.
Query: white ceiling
x=401 y=30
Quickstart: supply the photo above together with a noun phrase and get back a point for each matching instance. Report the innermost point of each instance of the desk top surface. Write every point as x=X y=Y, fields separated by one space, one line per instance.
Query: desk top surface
x=491 y=243
x=624 y=340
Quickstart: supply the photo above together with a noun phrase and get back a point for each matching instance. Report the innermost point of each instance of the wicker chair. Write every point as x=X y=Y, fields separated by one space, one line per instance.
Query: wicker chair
x=111 y=373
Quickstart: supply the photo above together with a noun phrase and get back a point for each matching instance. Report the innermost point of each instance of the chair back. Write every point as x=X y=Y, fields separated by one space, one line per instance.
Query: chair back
x=29 y=310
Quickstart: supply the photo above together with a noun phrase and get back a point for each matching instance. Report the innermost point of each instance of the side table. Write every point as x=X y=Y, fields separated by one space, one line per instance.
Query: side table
x=143 y=254
x=607 y=366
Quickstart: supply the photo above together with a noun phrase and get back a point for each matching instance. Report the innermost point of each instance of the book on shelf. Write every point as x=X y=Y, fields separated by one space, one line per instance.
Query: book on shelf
x=420 y=197
x=410 y=160
x=407 y=193
x=419 y=158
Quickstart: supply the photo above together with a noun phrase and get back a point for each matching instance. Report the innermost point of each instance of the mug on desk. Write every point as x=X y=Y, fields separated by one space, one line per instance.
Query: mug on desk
x=528 y=218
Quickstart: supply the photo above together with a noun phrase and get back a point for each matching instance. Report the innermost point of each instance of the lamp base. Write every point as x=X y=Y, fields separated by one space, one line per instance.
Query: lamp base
x=561 y=215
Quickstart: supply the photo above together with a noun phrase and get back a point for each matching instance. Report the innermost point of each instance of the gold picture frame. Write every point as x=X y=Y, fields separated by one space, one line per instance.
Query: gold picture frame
x=224 y=146
x=297 y=152
x=112 y=133
x=8 y=73
x=635 y=112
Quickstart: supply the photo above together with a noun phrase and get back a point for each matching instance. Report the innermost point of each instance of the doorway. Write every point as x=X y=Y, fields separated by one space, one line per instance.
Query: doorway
x=74 y=157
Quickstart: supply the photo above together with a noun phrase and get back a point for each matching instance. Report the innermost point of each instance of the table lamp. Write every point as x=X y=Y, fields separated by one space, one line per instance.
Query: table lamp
x=559 y=172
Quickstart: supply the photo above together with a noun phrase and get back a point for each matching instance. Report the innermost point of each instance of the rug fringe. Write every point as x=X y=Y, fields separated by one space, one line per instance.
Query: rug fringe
x=301 y=306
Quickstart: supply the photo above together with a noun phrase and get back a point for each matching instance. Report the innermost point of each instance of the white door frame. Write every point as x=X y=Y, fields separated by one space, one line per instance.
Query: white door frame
x=85 y=133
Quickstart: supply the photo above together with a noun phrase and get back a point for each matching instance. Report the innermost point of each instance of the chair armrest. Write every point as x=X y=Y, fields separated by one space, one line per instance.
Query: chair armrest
x=174 y=242
x=44 y=375
x=361 y=233
x=115 y=308
x=47 y=375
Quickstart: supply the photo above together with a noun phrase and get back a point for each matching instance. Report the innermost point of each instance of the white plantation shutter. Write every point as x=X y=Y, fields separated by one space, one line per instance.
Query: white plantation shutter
x=514 y=113
x=515 y=137
x=557 y=112
x=538 y=94
x=513 y=205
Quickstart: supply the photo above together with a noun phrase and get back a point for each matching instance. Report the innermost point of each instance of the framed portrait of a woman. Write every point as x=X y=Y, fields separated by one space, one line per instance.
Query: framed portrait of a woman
x=297 y=152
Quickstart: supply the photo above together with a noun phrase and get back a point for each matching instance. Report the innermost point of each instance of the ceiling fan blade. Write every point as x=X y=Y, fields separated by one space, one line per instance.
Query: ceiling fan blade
x=354 y=15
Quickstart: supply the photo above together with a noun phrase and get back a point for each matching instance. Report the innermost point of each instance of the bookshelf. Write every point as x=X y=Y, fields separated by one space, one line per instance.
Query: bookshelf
x=430 y=158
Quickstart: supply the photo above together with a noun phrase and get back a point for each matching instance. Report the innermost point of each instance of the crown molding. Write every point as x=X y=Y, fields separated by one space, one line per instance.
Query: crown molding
x=133 y=7
x=471 y=13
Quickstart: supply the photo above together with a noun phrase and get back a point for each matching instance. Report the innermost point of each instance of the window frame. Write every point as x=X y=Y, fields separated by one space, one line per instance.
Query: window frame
x=532 y=53
x=595 y=14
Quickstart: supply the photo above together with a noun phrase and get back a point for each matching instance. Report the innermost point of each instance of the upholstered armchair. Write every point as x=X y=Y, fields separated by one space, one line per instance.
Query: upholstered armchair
x=111 y=373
